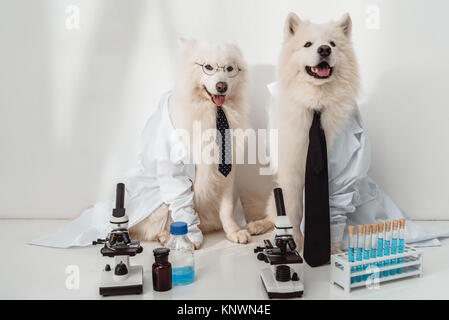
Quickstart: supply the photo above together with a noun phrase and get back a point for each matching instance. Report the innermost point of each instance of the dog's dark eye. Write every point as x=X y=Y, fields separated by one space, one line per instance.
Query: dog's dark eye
x=308 y=44
x=229 y=69
x=332 y=44
x=208 y=67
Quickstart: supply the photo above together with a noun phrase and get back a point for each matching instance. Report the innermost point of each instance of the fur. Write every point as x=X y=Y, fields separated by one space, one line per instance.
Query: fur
x=300 y=94
x=214 y=194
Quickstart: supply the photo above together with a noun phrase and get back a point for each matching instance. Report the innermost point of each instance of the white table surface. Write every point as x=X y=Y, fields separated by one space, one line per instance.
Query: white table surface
x=224 y=270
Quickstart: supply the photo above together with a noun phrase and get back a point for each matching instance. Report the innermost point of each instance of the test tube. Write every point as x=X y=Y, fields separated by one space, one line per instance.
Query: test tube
x=401 y=241
x=373 y=243
x=360 y=247
x=387 y=241
x=352 y=246
x=367 y=249
x=380 y=244
x=394 y=244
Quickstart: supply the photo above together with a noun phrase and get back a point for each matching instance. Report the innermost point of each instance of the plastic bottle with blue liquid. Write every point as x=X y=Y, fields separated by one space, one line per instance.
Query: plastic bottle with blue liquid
x=181 y=251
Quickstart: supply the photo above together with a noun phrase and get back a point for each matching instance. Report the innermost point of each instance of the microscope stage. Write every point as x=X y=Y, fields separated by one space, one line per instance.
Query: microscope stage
x=131 y=285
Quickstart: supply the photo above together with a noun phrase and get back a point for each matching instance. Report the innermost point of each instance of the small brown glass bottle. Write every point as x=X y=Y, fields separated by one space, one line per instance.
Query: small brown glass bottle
x=161 y=270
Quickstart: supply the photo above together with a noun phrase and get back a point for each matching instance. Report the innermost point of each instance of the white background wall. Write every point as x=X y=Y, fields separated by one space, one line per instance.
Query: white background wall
x=74 y=101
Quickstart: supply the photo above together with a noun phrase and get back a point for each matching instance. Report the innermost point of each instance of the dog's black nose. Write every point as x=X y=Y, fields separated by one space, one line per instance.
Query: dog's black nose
x=324 y=51
x=221 y=87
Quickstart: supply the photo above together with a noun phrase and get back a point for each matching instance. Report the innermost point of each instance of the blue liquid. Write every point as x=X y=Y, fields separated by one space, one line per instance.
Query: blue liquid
x=400 y=250
x=386 y=253
x=393 y=252
x=182 y=275
x=365 y=266
x=380 y=246
x=351 y=259
x=359 y=267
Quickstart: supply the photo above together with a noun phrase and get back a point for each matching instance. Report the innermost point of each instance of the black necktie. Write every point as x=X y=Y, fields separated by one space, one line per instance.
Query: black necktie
x=224 y=143
x=316 y=198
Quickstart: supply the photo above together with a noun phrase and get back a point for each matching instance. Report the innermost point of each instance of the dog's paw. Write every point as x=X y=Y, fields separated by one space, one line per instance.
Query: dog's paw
x=241 y=236
x=259 y=226
x=163 y=237
x=335 y=248
x=196 y=245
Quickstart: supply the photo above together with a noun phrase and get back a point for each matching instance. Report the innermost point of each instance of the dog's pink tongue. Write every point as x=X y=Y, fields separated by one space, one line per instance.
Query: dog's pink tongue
x=218 y=100
x=323 y=72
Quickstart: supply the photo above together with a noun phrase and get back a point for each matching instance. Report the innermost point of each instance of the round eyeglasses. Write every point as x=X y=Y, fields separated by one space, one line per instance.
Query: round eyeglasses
x=230 y=69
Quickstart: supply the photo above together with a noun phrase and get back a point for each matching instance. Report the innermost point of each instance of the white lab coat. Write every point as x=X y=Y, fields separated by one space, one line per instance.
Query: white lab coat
x=165 y=174
x=354 y=198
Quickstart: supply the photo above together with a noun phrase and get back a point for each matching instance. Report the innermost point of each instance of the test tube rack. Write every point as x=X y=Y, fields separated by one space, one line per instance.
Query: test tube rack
x=341 y=273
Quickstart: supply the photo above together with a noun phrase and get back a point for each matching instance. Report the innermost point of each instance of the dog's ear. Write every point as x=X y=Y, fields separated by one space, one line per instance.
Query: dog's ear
x=186 y=44
x=291 y=25
x=345 y=23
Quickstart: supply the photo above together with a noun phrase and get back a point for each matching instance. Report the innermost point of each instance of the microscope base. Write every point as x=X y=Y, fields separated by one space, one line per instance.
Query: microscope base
x=131 y=285
x=280 y=290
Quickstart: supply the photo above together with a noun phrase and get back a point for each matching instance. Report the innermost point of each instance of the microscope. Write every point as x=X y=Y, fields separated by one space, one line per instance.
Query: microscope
x=283 y=277
x=122 y=278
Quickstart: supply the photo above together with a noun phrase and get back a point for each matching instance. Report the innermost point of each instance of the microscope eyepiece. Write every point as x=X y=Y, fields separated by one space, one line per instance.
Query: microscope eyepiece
x=119 y=210
x=120 y=196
